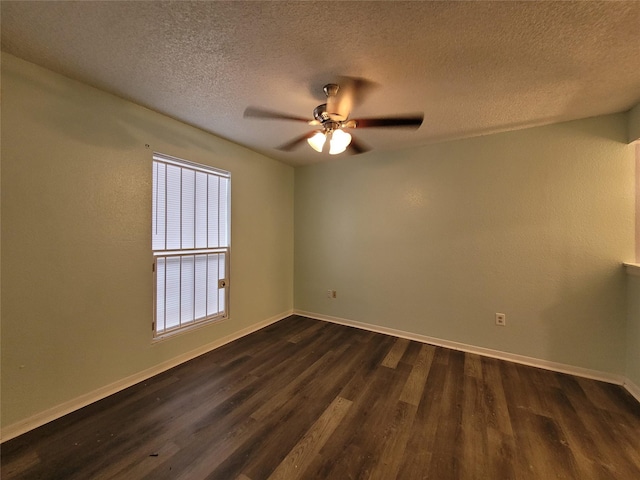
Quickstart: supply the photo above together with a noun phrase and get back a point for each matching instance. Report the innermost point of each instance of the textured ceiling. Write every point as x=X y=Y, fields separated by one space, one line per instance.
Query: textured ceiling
x=471 y=67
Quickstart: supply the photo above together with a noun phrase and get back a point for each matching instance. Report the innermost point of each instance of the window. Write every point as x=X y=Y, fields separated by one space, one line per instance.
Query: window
x=190 y=242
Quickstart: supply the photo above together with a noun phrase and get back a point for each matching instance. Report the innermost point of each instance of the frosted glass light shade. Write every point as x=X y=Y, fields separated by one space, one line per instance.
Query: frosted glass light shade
x=317 y=141
x=339 y=142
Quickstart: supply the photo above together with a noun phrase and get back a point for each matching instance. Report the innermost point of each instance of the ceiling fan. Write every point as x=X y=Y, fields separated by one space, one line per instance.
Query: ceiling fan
x=333 y=118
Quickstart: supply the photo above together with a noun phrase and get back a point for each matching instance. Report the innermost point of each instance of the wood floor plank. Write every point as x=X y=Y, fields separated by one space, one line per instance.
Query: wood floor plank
x=548 y=459
x=184 y=411
x=473 y=365
x=340 y=403
x=296 y=462
x=135 y=466
x=306 y=333
x=501 y=451
x=67 y=439
x=365 y=424
x=599 y=395
x=423 y=437
x=198 y=457
x=494 y=412
x=611 y=446
x=284 y=394
x=395 y=441
x=410 y=355
x=475 y=449
x=20 y=463
x=344 y=455
x=372 y=430
x=317 y=394
x=366 y=366
x=395 y=354
x=207 y=456
x=519 y=381
x=412 y=392
x=495 y=402
x=581 y=441
x=447 y=450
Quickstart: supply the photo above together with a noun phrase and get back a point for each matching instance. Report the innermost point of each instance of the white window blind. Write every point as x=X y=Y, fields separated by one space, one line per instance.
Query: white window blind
x=190 y=242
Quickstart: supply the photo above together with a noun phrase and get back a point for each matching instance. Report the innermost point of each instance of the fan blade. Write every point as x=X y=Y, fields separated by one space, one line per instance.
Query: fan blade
x=255 y=112
x=356 y=146
x=287 y=147
x=399 y=122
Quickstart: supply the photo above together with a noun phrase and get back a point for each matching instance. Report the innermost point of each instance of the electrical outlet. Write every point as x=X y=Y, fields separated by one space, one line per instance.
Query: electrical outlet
x=501 y=319
x=331 y=294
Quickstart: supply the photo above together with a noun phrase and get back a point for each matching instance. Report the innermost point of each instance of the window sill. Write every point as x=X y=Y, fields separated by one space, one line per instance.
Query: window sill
x=186 y=329
x=632 y=268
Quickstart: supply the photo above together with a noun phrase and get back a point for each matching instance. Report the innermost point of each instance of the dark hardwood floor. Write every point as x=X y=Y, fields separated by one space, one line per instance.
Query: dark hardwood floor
x=303 y=399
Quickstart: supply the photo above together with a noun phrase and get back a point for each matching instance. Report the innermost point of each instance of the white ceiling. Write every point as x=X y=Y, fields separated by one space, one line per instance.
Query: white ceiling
x=471 y=67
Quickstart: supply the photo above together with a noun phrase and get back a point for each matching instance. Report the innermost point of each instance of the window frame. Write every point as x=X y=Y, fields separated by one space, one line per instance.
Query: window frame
x=182 y=253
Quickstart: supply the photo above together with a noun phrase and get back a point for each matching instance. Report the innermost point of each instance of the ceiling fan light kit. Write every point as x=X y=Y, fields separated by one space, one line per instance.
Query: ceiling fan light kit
x=338 y=141
x=317 y=141
x=333 y=116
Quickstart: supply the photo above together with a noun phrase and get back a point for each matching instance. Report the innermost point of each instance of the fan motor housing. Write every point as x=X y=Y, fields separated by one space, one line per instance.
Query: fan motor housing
x=321 y=115
x=328 y=121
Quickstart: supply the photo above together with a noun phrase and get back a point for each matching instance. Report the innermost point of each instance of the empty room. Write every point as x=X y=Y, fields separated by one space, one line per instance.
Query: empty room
x=251 y=240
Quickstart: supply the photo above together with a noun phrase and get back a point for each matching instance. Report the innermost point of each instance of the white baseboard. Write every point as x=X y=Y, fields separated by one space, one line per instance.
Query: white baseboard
x=511 y=357
x=74 y=404
x=632 y=388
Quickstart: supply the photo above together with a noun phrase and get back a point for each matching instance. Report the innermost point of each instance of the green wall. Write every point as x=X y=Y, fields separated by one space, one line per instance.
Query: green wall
x=76 y=238
x=435 y=240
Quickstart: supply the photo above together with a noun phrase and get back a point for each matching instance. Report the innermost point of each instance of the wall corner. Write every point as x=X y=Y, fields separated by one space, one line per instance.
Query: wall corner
x=633 y=128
